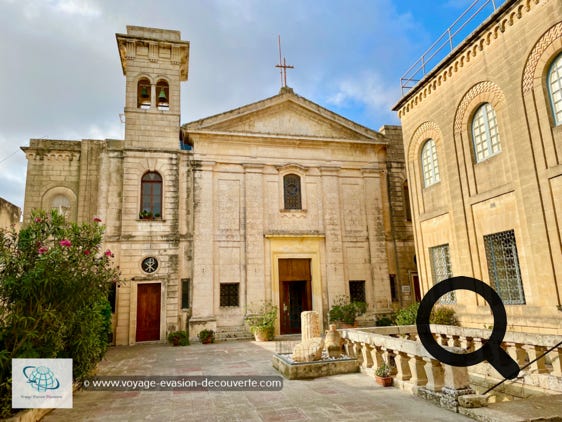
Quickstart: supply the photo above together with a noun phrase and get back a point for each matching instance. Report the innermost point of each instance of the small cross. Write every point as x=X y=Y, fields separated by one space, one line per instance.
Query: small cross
x=283 y=66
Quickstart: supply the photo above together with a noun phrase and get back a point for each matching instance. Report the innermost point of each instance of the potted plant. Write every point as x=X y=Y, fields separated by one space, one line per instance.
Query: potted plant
x=344 y=312
x=382 y=375
x=206 y=336
x=145 y=215
x=260 y=318
x=178 y=338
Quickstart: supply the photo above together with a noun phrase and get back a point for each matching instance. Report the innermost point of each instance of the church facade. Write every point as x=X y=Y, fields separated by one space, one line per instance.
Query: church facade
x=281 y=200
x=483 y=143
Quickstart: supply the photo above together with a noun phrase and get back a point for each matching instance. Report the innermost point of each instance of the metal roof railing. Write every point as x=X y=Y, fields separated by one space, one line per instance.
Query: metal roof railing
x=467 y=22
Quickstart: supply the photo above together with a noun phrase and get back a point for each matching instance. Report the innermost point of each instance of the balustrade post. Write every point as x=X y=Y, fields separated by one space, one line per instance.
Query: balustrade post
x=534 y=351
x=435 y=375
x=467 y=343
x=377 y=357
x=556 y=359
x=388 y=355
x=517 y=353
x=358 y=354
x=417 y=370
x=402 y=366
x=367 y=360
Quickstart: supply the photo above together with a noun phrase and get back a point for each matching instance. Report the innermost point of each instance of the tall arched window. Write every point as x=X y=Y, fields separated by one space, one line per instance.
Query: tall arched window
x=162 y=95
x=430 y=165
x=555 y=89
x=151 y=195
x=143 y=94
x=292 y=192
x=485 y=135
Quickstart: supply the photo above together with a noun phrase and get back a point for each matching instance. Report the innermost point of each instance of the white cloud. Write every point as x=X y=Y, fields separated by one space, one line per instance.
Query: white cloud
x=82 y=8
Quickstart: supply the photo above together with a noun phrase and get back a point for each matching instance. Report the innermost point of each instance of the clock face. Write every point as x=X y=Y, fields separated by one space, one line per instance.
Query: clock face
x=149 y=265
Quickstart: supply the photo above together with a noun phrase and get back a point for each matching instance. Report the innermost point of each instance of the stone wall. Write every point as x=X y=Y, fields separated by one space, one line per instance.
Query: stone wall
x=504 y=64
x=10 y=215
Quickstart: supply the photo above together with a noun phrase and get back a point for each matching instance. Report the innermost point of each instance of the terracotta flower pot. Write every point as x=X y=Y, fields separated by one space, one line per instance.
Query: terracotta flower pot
x=384 y=381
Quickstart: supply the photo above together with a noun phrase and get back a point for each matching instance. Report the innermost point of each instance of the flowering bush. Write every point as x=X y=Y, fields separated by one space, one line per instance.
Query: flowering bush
x=54 y=284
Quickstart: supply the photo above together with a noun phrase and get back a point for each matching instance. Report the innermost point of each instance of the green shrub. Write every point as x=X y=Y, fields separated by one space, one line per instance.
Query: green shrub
x=385 y=321
x=179 y=337
x=343 y=310
x=54 y=283
x=443 y=315
x=407 y=315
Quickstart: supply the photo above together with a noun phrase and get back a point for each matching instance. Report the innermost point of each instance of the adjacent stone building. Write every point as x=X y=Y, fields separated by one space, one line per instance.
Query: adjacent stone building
x=10 y=215
x=278 y=200
x=483 y=142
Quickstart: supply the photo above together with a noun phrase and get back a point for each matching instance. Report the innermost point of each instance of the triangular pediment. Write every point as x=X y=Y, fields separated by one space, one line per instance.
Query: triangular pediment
x=287 y=115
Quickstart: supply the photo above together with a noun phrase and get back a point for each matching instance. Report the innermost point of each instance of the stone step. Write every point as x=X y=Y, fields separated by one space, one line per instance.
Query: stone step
x=232 y=333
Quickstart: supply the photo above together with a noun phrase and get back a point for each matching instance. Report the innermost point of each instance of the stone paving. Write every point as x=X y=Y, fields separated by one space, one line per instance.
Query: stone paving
x=350 y=397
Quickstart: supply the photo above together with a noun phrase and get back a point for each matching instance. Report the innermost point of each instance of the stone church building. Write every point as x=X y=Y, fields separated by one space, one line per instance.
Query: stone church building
x=279 y=200
x=483 y=143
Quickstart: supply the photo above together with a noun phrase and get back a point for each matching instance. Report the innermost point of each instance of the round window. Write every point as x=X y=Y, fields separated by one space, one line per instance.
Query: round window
x=149 y=265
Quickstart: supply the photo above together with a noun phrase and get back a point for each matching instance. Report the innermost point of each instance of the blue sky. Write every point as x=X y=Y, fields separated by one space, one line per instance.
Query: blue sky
x=62 y=77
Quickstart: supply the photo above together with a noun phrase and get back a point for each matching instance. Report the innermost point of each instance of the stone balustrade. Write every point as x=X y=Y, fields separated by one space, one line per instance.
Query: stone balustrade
x=417 y=371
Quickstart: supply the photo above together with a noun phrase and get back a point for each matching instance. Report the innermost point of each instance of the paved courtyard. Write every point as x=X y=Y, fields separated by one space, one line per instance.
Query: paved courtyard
x=352 y=397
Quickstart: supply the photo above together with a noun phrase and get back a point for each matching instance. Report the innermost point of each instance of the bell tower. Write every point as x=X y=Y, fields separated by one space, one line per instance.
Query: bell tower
x=155 y=62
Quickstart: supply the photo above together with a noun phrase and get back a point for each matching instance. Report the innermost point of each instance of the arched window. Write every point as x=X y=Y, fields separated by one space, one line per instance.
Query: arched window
x=143 y=94
x=162 y=95
x=555 y=89
x=485 y=136
x=292 y=192
x=430 y=165
x=62 y=204
x=151 y=195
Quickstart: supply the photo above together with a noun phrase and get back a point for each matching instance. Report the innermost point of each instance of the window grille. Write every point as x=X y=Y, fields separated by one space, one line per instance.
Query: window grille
x=357 y=291
x=430 y=165
x=555 y=89
x=441 y=269
x=229 y=294
x=292 y=191
x=485 y=136
x=503 y=266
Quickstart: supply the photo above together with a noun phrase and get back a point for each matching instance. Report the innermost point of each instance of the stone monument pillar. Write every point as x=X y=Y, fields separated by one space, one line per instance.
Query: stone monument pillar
x=310 y=325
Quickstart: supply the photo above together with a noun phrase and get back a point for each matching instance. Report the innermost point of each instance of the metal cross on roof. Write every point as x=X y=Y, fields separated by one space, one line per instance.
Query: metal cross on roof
x=283 y=66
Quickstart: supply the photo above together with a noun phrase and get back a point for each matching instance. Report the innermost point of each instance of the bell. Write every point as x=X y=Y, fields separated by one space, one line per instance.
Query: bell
x=144 y=92
x=162 y=96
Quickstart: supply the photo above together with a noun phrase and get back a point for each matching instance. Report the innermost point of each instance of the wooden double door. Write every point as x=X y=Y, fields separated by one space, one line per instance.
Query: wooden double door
x=295 y=293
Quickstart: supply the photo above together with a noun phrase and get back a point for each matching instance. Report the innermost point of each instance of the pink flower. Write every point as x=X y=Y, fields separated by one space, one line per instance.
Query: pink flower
x=86 y=252
x=97 y=220
x=108 y=253
x=42 y=250
x=38 y=220
x=65 y=242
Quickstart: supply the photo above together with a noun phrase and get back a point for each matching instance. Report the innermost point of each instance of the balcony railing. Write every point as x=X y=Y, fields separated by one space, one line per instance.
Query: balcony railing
x=467 y=22
x=416 y=370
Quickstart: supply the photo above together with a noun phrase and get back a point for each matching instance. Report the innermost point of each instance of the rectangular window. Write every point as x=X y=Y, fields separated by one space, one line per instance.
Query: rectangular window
x=229 y=294
x=357 y=291
x=503 y=267
x=185 y=293
x=441 y=269
x=393 y=292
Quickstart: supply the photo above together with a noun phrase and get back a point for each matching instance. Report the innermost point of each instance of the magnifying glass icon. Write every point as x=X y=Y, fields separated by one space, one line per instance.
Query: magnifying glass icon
x=491 y=351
